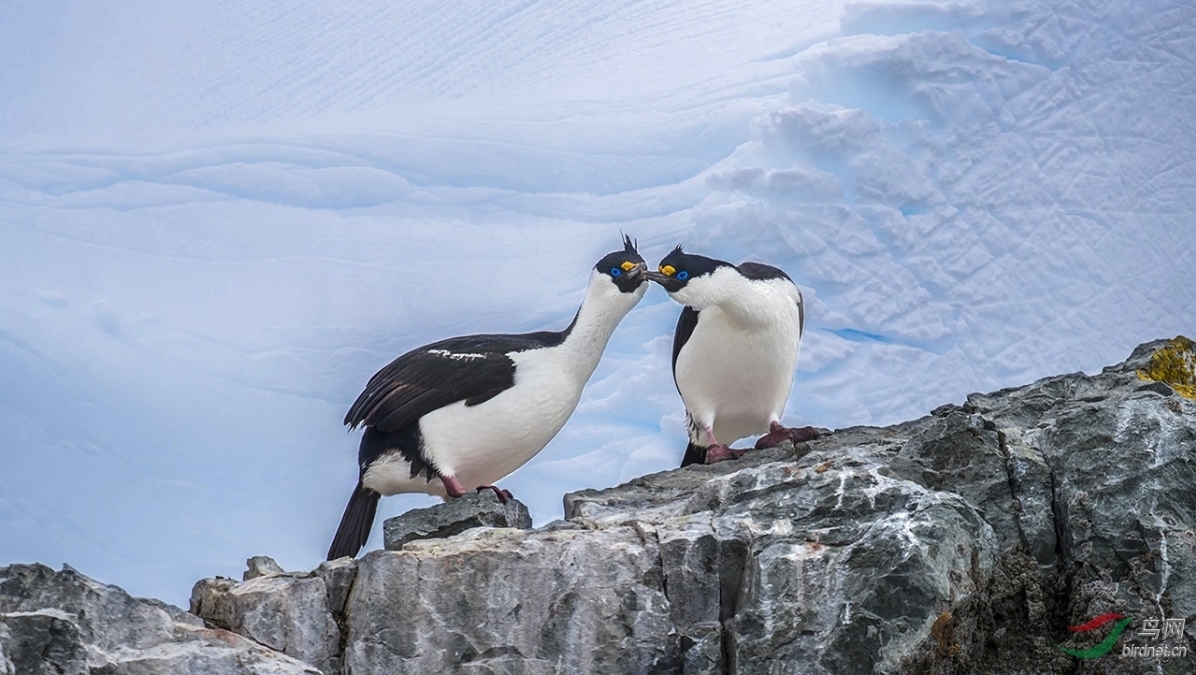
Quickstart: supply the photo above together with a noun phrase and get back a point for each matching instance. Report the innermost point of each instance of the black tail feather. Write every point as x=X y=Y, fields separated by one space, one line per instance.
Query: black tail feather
x=355 y=524
x=694 y=454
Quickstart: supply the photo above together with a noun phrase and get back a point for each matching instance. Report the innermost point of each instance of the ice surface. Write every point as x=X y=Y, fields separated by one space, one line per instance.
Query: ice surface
x=217 y=222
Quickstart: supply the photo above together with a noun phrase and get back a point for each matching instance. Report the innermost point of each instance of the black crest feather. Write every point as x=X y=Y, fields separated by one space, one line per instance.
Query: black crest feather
x=630 y=245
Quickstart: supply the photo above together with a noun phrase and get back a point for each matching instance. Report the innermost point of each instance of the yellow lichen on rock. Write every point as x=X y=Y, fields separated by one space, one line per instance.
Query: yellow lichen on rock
x=1174 y=364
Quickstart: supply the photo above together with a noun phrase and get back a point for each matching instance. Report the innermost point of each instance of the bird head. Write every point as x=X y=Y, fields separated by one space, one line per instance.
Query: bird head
x=625 y=269
x=690 y=279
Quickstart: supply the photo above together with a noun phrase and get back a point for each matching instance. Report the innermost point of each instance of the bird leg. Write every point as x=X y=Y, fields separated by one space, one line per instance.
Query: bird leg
x=504 y=496
x=778 y=434
x=718 y=452
x=453 y=487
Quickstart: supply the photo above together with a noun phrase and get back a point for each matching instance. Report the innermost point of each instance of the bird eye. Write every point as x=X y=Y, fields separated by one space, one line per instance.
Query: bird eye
x=615 y=271
x=682 y=275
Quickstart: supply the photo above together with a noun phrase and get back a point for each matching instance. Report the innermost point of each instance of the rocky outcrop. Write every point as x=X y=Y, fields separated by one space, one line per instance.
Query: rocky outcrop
x=967 y=541
x=476 y=509
x=66 y=624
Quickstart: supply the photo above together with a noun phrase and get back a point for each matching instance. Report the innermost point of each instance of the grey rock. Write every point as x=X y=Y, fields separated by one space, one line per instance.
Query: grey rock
x=702 y=650
x=177 y=614
x=288 y=613
x=64 y=622
x=504 y=600
x=1161 y=388
x=1031 y=486
x=476 y=509
x=301 y=615
x=261 y=566
x=338 y=576
x=45 y=641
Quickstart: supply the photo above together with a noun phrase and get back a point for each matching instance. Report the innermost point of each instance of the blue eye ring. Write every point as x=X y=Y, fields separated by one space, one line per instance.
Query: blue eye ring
x=615 y=271
x=682 y=275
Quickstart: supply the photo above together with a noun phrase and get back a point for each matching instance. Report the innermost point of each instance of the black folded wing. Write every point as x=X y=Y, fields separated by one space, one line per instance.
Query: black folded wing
x=685 y=328
x=474 y=369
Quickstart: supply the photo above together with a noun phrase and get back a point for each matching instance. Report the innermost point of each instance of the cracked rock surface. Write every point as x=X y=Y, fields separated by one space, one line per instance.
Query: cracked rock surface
x=65 y=623
x=966 y=541
x=474 y=509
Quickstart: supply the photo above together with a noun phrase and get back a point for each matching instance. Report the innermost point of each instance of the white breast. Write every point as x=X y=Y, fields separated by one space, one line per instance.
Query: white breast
x=736 y=370
x=483 y=443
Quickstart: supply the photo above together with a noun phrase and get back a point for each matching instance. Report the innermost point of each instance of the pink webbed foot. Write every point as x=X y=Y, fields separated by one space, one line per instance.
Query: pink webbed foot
x=721 y=453
x=778 y=434
x=504 y=496
x=453 y=487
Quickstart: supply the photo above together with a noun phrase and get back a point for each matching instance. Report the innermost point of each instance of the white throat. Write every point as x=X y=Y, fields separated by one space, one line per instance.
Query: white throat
x=603 y=307
x=746 y=301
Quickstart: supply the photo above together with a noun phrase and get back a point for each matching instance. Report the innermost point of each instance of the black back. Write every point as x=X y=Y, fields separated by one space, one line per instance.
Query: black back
x=761 y=272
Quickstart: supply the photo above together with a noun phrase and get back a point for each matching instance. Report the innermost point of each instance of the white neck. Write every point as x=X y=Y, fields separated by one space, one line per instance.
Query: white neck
x=725 y=288
x=603 y=307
